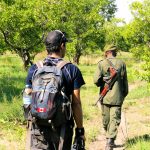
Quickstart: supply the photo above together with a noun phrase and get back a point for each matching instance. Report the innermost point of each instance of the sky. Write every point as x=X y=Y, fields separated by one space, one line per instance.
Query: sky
x=123 y=9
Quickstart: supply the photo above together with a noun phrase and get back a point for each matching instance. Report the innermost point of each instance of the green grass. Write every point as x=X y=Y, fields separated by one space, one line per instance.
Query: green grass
x=139 y=143
x=12 y=136
x=138 y=93
x=12 y=77
x=12 y=80
x=11 y=111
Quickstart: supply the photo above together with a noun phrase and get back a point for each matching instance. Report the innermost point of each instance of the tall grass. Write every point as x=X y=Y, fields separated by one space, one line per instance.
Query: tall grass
x=139 y=143
x=139 y=92
x=12 y=76
x=12 y=79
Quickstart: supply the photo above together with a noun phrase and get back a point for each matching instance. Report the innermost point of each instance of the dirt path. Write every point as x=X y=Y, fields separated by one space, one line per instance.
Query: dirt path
x=135 y=123
x=132 y=125
x=100 y=142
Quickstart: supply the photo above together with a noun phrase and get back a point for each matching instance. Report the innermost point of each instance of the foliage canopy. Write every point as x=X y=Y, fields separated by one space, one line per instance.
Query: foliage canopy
x=138 y=35
x=23 y=22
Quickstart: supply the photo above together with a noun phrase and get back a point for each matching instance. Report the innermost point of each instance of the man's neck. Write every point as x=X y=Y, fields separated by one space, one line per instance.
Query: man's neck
x=110 y=56
x=54 y=55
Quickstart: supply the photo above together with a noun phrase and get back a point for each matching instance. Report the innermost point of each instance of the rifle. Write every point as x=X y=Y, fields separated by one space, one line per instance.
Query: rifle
x=109 y=82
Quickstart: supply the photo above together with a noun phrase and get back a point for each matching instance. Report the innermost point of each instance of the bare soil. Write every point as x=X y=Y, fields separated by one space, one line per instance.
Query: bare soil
x=100 y=142
x=134 y=123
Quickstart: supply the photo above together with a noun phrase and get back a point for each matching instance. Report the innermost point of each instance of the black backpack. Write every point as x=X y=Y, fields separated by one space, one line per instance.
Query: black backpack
x=50 y=105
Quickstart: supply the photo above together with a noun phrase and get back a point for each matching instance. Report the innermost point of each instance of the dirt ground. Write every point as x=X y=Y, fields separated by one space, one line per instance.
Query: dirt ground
x=133 y=124
x=100 y=142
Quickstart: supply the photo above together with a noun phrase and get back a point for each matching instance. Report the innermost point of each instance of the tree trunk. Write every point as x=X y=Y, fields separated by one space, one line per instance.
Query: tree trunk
x=25 y=55
x=76 y=58
x=78 y=48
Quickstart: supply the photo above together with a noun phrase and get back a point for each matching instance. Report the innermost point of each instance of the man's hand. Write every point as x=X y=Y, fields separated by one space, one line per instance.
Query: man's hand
x=79 y=141
x=28 y=90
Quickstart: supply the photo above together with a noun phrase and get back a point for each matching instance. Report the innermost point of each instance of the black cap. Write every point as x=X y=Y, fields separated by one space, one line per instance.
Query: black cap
x=55 y=38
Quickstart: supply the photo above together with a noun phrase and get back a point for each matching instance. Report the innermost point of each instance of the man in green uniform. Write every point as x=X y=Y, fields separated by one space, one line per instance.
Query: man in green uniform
x=112 y=102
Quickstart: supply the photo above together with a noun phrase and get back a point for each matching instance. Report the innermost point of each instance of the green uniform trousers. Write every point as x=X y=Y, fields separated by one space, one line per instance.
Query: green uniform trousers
x=111 y=118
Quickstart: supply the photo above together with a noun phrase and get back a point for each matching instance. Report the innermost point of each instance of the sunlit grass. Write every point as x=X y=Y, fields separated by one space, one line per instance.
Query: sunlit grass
x=12 y=80
x=12 y=136
x=139 y=92
x=139 y=143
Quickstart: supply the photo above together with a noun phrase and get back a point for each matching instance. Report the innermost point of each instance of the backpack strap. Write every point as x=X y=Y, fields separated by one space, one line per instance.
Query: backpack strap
x=62 y=63
x=39 y=64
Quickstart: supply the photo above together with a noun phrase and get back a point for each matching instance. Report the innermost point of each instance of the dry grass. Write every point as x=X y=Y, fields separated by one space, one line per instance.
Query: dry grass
x=137 y=110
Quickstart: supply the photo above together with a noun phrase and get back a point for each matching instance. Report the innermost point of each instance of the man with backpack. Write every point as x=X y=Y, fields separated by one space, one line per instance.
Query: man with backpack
x=111 y=77
x=55 y=103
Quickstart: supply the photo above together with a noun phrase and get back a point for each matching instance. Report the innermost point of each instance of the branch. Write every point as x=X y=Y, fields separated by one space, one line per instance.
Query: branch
x=36 y=43
x=5 y=34
x=41 y=39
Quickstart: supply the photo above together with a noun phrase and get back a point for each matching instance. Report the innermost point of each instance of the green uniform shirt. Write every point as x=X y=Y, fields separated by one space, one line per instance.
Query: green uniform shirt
x=119 y=91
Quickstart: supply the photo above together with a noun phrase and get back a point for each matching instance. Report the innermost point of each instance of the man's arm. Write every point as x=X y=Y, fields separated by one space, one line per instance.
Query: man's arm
x=77 y=108
x=29 y=76
x=79 y=141
x=98 y=78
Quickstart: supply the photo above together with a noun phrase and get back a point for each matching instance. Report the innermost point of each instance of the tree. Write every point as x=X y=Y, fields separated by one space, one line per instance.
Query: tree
x=83 y=20
x=22 y=25
x=115 y=32
x=138 y=35
x=109 y=9
x=23 y=22
x=87 y=27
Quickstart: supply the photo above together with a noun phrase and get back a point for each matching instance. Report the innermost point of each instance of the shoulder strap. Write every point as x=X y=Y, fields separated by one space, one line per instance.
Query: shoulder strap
x=62 y=63
x=39 y=64
x=111 y=64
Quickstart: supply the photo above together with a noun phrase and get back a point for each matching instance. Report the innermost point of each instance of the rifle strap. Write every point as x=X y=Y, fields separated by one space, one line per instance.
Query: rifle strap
x=111 y=64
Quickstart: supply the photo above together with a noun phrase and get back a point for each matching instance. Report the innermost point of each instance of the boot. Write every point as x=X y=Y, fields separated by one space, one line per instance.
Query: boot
x=110 y=144
x=108 y=147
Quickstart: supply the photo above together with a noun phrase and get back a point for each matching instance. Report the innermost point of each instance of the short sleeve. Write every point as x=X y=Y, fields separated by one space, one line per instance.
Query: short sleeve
x=98 y=75
x=73 y=77
x=78 y=79
x=30 y=74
